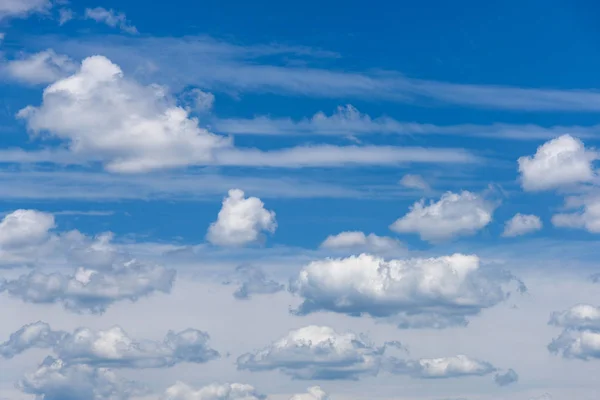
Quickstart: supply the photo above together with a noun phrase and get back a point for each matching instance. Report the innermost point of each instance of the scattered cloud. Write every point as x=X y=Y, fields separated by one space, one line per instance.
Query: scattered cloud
x=357 y=241
x=313 y=393
x=226 y=391
x=507 y=378
x=414 y=293
x=65 y=15
x=413 y=181
x=563 y=161
x=455 y=214
x=40 y=68
x=23 y=8
x=53 y=380
x=587 y=218
x=581 y=335
x=316 y=352
x=522 y=224
x=253 y=281
x=111 y=18
x=112 y=348
x=241 y=221
x=439 y=368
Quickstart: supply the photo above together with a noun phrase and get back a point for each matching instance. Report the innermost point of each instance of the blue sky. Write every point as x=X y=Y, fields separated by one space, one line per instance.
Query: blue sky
x=333 y=158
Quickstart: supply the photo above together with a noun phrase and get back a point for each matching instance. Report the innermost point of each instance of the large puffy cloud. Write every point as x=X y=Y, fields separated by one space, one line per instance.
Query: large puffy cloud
x=90 y=290
x=130 y=127
x=522 y=224
x=415 y=293
x=581 y=335
x=316 y=352
x=241 y=221
x=23 y=8
x=562 y=161
x=43 y=67
x=358 y=241
x=225 y=391
x=112 y=347
x=455 y=214
x=438 y=368
x=54 y=380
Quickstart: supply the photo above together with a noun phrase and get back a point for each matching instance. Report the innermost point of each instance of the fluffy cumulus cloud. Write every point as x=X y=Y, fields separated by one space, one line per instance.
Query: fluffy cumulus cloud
x=54 y=380
x=226 y=391
x=107 y=117
x=317 y=352
x=112 y=347
x=415 y=293
x=587 y=218
x=313 y=393
x=43 y=67
x=507 y=378
x=111 y=18
x=357 y=241
x=23 y=8
x=559 y=162
x=252 y=281
x=522 y=224
x=413 y=181
x=23 y=228
x=438 y=368
x=90 y=290
x=455 y=214
x=241 y=221
x=581 y=335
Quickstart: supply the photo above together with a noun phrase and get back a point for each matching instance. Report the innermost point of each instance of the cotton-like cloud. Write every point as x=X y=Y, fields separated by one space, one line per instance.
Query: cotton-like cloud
x=111 y=18
x=507 y=378
x=412 y=181
x=107 y=117
x=581 y=335
x=587 y=218
x=439 y=368
x=23 y=8
x=89 y=290
x=253 y=281
x=522 y=224
x=23 y=228
x=357 y=241
x=43 y=67
x=241 y=221
x=414 y=293
x=313 y=393
x=226 y=391
x=316 y=352
x=562 y=161
x=112 y=348
x=455 y=214
x=54 y=380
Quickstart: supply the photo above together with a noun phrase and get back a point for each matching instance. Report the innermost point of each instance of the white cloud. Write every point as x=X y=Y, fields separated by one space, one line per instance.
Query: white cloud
x=65 y=15
x=445 y=367
x=412 y=181
x=199 y=100
x=316 y=352
x=241 y=221
x=507 y=378
x=54 y=380
x=111 y=18
x=226 y=391
x=112 y=347
x=23 y=8
x=581 y=335
x=522 y=224
x=562 y=161
x=587 y=218
x=357 y=241
x=252 y=281
x=39 y=68
x=414 y=293
x=455 y=214
x=313 y=393
x=131 y=128
x=23 y=228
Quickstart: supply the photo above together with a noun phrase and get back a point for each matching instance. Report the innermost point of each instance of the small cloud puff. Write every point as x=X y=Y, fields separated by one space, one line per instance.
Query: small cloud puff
x=522 y=224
